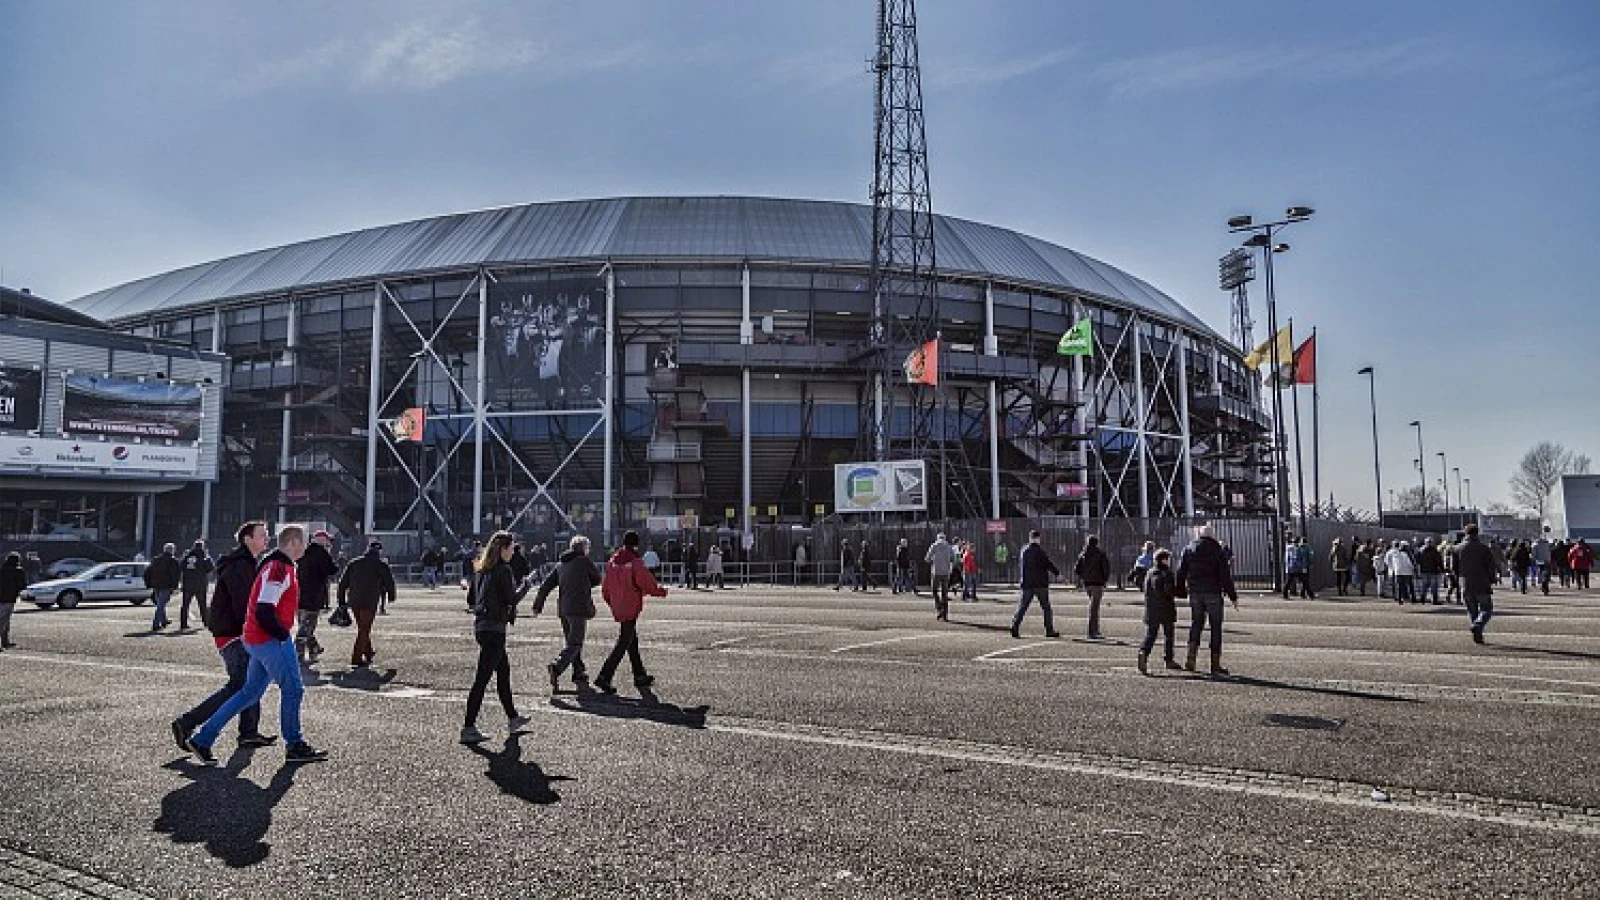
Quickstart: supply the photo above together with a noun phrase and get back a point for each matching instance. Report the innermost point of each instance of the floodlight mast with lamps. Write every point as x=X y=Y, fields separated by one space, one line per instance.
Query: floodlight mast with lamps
x=1377 y=463
x=1262 y=236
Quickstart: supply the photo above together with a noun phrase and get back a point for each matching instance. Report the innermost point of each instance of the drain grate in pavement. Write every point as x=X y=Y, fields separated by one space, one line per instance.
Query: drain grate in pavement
x=1304 y=723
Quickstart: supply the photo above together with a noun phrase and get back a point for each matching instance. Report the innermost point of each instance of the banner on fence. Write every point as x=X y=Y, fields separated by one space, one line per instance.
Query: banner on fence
x=896 y=486
x=20 y=392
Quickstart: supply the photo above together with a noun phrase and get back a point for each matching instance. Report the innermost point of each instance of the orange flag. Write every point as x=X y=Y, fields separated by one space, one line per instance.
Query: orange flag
x=1305 y=362
x=922 y=365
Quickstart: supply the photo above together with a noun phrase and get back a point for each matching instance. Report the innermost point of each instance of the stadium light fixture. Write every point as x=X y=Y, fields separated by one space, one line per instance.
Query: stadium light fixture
x=1299 y=213
x=1240 y=222
x=1281 y=248
x=1258 y=240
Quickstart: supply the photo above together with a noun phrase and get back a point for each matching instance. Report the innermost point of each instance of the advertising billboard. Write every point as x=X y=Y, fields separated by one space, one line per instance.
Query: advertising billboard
x=57 y=454
x=127 y=407
x=897 y=486
x=547 y=345
x=20 y=393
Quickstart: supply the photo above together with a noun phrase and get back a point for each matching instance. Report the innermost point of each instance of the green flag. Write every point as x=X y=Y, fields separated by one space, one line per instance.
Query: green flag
x=1078 y=341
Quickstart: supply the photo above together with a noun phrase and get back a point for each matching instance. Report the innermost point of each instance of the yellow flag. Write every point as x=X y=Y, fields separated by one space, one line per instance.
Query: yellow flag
x=1263 y=353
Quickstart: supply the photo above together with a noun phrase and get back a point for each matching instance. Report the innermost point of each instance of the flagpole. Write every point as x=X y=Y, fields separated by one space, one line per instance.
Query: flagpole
x=1316 y=431
x=1299 y=462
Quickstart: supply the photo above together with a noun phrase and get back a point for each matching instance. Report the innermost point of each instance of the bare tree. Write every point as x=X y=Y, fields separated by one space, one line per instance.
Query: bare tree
x=1540 y=471
x=1410 y=499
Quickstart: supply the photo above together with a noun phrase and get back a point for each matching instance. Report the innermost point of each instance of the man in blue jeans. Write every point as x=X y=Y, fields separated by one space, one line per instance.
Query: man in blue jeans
x=162 y=577
x=274 y=601
x=230 y=606
x=1205 y=576
x=1037 y=570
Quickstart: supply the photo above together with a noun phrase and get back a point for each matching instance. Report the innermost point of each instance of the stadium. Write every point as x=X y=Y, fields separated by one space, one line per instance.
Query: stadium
x=686 y=362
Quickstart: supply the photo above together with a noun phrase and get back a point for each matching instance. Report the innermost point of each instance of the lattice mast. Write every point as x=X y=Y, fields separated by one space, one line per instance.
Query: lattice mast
x=904 y=304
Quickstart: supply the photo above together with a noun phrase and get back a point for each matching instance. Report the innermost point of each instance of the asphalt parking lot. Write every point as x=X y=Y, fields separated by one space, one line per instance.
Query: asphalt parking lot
x=807 y=743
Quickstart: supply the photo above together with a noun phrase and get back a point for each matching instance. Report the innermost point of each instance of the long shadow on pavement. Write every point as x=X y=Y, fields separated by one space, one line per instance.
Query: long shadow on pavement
x=1248 y=681
x=524 y=780
x=648 y=707
x=1564 y=654
x=229 y=814
x=357 y=679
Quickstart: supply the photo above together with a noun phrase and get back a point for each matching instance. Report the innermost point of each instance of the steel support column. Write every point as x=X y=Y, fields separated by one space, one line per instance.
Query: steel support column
x=1143 y=411
x=1183 y=415
x=287 y=432
x=606 y=478
x=746 y=336
x=374 y=385
x=205 y=487
x=479 y=423
x=991 y=347
x=1079 y=381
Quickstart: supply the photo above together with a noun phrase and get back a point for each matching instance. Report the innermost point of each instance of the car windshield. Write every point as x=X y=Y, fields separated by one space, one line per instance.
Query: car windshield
x=93 y=571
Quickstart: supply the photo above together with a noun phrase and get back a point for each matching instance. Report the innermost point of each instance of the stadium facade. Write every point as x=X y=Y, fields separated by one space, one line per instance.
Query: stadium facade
x=699 y=360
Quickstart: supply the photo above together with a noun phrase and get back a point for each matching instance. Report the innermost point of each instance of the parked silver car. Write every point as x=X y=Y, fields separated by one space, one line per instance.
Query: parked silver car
x=72 y=565
x=106 y=581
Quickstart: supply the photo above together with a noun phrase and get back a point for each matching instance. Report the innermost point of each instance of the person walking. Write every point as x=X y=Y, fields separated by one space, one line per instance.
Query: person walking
x=197 y=566
x=1452 y=582
x=432 y=560
x=864 y=567
x=315 y=570
x=1308 y=566
x=1037 y=571
x=13 y=578
x=1380 y=569
x=1521 y=559
x=1205 y=576
x=1581 y=560
x=1478 y=571
x=1341 y=557
x=1541 y=560
x=1404 y=572
x=1160 y=610
x=367 y=581
x=1094 y=572
x=1430 y=567
x=494 y=595
x=521 y=564
x=162 y=576
x=904 y=580
x=1361 y=571
x=33 y=567
x=799 y=563
x=691 y=566
x=624 y=586
x=1143 y=564
x=847 y=565
x=969 y=572
x=274 y=598
x=941 y=560
x=225 y=617
x=574 y=579
x=714 y=569
x=1561 y=559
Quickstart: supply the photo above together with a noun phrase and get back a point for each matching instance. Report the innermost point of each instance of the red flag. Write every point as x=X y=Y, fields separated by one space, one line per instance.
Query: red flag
x=1305 y=362
x=922 y=365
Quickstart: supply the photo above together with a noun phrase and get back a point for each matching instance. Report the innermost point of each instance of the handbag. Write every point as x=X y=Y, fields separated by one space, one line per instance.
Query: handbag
x=340 y=617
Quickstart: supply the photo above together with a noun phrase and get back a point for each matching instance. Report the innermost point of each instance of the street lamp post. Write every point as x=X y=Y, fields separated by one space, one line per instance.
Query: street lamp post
x=1377 y=465
x=1262 y=236
x=1444 y=482
x=1422 y=469
x=1469 y=494
x=1461 y=502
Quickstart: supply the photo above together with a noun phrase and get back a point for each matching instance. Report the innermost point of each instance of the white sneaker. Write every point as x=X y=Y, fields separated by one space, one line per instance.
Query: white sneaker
x=471 y=735
x=518 y=724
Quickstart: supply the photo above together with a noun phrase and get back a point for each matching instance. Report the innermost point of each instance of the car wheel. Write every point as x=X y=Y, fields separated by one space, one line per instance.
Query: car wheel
x=69 y=599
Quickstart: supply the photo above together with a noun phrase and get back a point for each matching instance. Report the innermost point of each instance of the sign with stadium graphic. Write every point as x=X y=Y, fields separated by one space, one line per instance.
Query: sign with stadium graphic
x=897 y=486
x=55 y=454
x=20 y=393
x=129 y=408
x=547 y=343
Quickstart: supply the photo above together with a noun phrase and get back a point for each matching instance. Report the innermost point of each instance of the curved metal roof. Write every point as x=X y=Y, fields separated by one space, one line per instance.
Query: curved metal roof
x=698 y=228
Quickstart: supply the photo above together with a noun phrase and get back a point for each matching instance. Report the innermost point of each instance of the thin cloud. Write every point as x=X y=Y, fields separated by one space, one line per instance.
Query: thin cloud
x=420 y=56
x=298 y=69
x=993 y=73
x=817 y=71
x=1201 y=68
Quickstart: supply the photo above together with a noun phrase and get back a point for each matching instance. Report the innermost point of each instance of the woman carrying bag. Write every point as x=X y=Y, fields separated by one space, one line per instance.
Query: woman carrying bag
x=494 y=595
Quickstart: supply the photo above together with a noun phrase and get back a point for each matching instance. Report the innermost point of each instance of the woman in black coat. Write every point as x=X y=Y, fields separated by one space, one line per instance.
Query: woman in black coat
x=1160 y=609
x=12 y=580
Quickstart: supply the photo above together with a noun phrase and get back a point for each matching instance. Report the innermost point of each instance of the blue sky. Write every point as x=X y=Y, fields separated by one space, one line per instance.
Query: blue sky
x=1449 y=148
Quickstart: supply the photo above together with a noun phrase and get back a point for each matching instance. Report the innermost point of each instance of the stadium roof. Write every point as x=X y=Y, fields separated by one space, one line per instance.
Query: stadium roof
x=24 y=305
x=654 y=228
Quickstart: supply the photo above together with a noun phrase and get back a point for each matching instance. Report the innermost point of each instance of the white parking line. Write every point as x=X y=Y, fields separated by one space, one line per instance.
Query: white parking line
x=1016 y=648
x=893 y=640
x=728 y=642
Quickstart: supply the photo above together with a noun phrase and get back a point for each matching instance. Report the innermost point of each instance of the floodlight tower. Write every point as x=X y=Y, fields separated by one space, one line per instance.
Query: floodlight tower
x=904 y=304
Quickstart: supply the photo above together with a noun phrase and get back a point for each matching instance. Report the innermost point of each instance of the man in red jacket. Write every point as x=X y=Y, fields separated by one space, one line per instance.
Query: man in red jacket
x=627 y=581
x=1581 y=559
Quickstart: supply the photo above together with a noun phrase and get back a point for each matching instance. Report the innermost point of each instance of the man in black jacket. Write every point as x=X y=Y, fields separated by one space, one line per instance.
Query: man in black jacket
x=197 y=566
x=314 y=571
x=1093 y=571
x=230 y=604
x=1204 y=575
x=162 y=577
x=1037 y=570
x=574 y=578
x=363 y=587
x=1476 y=568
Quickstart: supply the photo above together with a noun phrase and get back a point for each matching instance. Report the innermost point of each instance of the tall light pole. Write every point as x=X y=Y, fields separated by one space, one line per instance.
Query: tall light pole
x=1461 y=502
x=1444 y=482
x=1377 y=465
x=1262 y=236
x=1469 y=494
x=1422 y=468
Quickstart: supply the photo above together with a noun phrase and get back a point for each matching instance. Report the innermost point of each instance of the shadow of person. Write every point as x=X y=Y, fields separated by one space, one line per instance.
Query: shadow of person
x=524 y=780
x=362 y=679
x=227 y=813
x=648 y=707
x=1312 y=689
